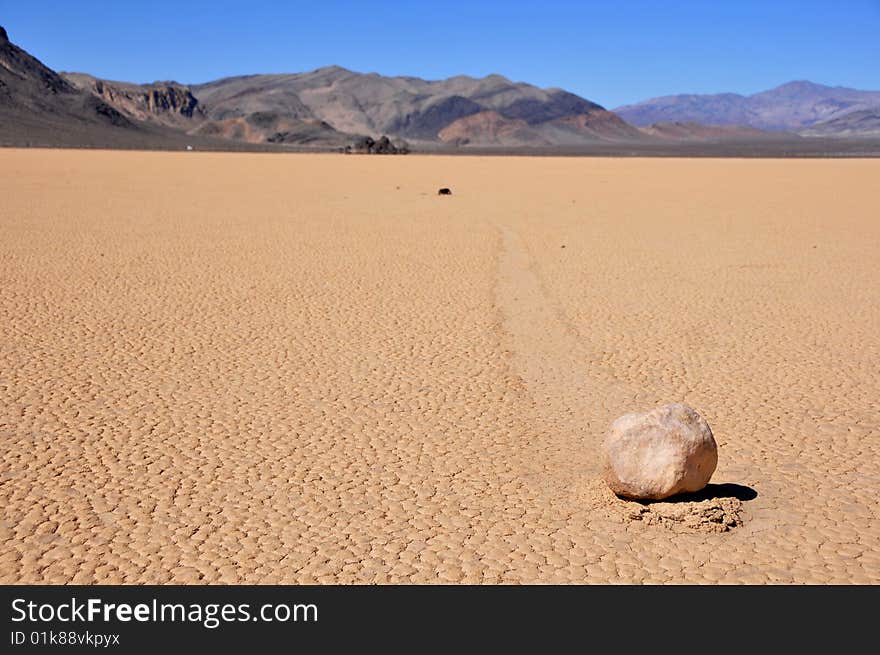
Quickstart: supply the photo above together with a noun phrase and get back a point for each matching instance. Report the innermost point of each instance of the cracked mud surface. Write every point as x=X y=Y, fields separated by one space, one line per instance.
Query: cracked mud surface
x=283 y=369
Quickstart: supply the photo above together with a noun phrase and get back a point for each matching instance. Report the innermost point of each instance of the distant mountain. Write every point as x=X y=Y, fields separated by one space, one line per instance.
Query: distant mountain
x=335 y=108
x=39 y=107
x=794 y=107
x=488 y=111
x=173 y=105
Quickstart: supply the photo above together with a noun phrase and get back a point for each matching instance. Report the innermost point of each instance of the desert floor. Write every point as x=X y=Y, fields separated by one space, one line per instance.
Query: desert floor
x=267 y=368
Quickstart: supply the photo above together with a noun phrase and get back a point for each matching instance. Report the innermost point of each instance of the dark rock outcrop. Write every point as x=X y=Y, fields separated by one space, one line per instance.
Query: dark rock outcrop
x=384 y=146
x=171 y=98
x=165 y=103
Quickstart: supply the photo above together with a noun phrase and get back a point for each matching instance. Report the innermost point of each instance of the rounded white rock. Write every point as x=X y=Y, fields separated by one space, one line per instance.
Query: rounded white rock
x=660 y=453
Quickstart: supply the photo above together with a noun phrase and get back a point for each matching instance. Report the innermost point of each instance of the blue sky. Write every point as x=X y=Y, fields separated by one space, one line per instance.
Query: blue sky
x=610 y=52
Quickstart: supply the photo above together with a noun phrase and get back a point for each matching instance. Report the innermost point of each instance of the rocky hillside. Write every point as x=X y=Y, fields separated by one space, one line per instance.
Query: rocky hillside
x=856 y=124
x=39 y=107
x=34 y=95
x=174 y=105
x=167 y=103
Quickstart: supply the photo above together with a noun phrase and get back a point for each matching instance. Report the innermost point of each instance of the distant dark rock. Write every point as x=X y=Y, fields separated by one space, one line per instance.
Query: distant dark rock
x=384 y=146
x=361 y=146
x=444 y=192
x=3 y=35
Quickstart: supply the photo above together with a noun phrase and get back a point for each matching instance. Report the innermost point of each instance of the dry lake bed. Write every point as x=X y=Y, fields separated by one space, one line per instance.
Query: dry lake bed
x=271 y=368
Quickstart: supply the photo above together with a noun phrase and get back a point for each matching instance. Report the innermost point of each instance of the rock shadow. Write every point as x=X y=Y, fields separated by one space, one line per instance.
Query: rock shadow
x=713 y=492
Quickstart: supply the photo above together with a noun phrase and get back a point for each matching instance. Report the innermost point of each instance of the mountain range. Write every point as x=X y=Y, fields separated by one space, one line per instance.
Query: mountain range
x=461 y=110
x=799 y=106
x=333 y=108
